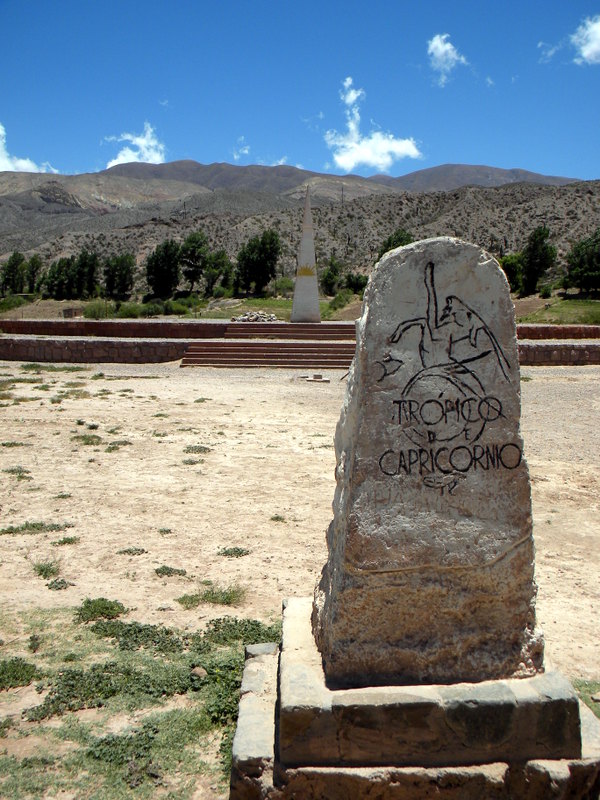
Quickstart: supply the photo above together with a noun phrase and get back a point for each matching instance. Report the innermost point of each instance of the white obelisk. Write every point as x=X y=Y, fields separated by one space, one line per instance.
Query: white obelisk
x=305 y=307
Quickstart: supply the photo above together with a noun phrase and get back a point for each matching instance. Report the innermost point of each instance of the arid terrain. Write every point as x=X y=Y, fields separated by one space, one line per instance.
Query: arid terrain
x=134 y=207
x=206 y=459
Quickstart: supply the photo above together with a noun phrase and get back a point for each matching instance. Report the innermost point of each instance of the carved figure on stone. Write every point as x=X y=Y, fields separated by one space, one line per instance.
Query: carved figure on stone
x=448 y=339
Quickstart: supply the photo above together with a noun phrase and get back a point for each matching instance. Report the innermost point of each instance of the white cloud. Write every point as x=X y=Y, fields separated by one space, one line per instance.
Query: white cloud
x=351 y=148
x=10 y=163
x=241 y=148
x=144 y=147
x=489 y=82
x=586 y=41
x=548 y=51
x=443 y=57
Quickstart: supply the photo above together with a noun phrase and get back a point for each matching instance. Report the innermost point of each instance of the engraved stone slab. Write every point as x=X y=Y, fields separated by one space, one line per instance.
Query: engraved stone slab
x=429 y=577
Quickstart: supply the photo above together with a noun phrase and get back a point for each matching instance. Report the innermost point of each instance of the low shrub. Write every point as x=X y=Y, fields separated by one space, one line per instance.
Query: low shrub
x=99 y=608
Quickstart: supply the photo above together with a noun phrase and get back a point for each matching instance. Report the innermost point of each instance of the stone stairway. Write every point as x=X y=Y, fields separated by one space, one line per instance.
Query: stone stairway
x=314 y=331
x=269 y=353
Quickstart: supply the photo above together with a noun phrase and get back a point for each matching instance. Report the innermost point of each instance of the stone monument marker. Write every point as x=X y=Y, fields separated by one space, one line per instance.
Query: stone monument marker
x=419 y=671
x=429 y=577
x=305 y=305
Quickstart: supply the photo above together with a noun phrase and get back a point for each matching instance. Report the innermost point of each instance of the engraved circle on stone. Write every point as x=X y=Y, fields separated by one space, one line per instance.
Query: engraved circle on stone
x=437 y=391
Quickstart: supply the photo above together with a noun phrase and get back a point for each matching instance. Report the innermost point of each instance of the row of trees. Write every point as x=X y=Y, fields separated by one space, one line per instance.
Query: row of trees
x=193 y=260
x=86 y=275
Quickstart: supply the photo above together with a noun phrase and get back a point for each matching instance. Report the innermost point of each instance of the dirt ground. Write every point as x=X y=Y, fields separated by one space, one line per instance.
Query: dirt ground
x=205 y=459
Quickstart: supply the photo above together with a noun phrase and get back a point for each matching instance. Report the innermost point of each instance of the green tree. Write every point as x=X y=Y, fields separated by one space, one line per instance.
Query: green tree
x=87 y=267
x=118 y=276
x=257 y=261
x=583 y=264
x=12 y=278
x=33 y=272
x=193 y=257
x=398 y=238
x=217 y=266
x=355 y=282
x=330 y=277
x=512 y=264
x=60 y=281
x=538 y=258
x=162 y=269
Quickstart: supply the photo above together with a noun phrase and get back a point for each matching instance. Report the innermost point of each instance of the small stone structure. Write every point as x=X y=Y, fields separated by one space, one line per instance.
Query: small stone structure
x=417 y=669
x=305 y=305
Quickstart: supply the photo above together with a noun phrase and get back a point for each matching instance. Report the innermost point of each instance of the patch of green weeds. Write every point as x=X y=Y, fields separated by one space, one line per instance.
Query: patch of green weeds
x=75 y=689
x=35 y=641
x=88 y=439
x=93 y=426
x=165 y=531
x=131 y=551
x=99 y=608
x=223 y=681
x=585 y=689
x=230 y=630
x=168 y=572
x=20 y=473
x=97 y=376
x=159 y=434
x=16 y=672
x=278 y=518
x=33 y=367
x=58 y=584
x=160 y=415
x=134 y=635
x=525 y=378
x=36 y=527
x=46 y=569
x=158 y=745
x=190 y=462
x=201 y=399
x=233 y=552
x=130 y=753
x=65 y=540
x=117 y=444
x=63 y=496
x=218 y=595
x=5 y=725
x=14 y=444
x=196 y=448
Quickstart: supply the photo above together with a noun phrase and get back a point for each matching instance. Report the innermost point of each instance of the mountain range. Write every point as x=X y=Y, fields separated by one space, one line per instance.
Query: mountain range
x=133 y=207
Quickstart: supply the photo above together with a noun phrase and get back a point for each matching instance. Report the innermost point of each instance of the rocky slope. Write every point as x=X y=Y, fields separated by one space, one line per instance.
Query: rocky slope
x=134 y=207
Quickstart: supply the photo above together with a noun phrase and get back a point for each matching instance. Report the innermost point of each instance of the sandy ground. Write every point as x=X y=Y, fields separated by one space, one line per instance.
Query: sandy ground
x=270 y=456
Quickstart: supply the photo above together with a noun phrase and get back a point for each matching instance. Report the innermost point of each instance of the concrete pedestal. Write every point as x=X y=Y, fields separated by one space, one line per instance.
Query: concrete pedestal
x=520 y=738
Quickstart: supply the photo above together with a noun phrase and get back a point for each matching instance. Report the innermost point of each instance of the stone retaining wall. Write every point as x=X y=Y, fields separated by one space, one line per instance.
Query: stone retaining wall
x=146 y=351
x=539 y=354
x=91 y=351
x=216 y=329
x=130 y=329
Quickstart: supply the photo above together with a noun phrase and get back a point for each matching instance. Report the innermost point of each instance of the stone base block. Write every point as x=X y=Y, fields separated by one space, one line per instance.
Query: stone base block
x=525 y=739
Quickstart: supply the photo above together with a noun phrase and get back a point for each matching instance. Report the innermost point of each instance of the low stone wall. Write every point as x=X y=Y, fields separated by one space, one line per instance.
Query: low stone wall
x=113 y=329
x=538 y=354
x=146 y=351
x=216 y=329
x=91 y=351
x=537 y=331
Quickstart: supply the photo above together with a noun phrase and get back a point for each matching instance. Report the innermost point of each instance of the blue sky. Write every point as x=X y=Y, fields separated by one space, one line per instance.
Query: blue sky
x=340 y=87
